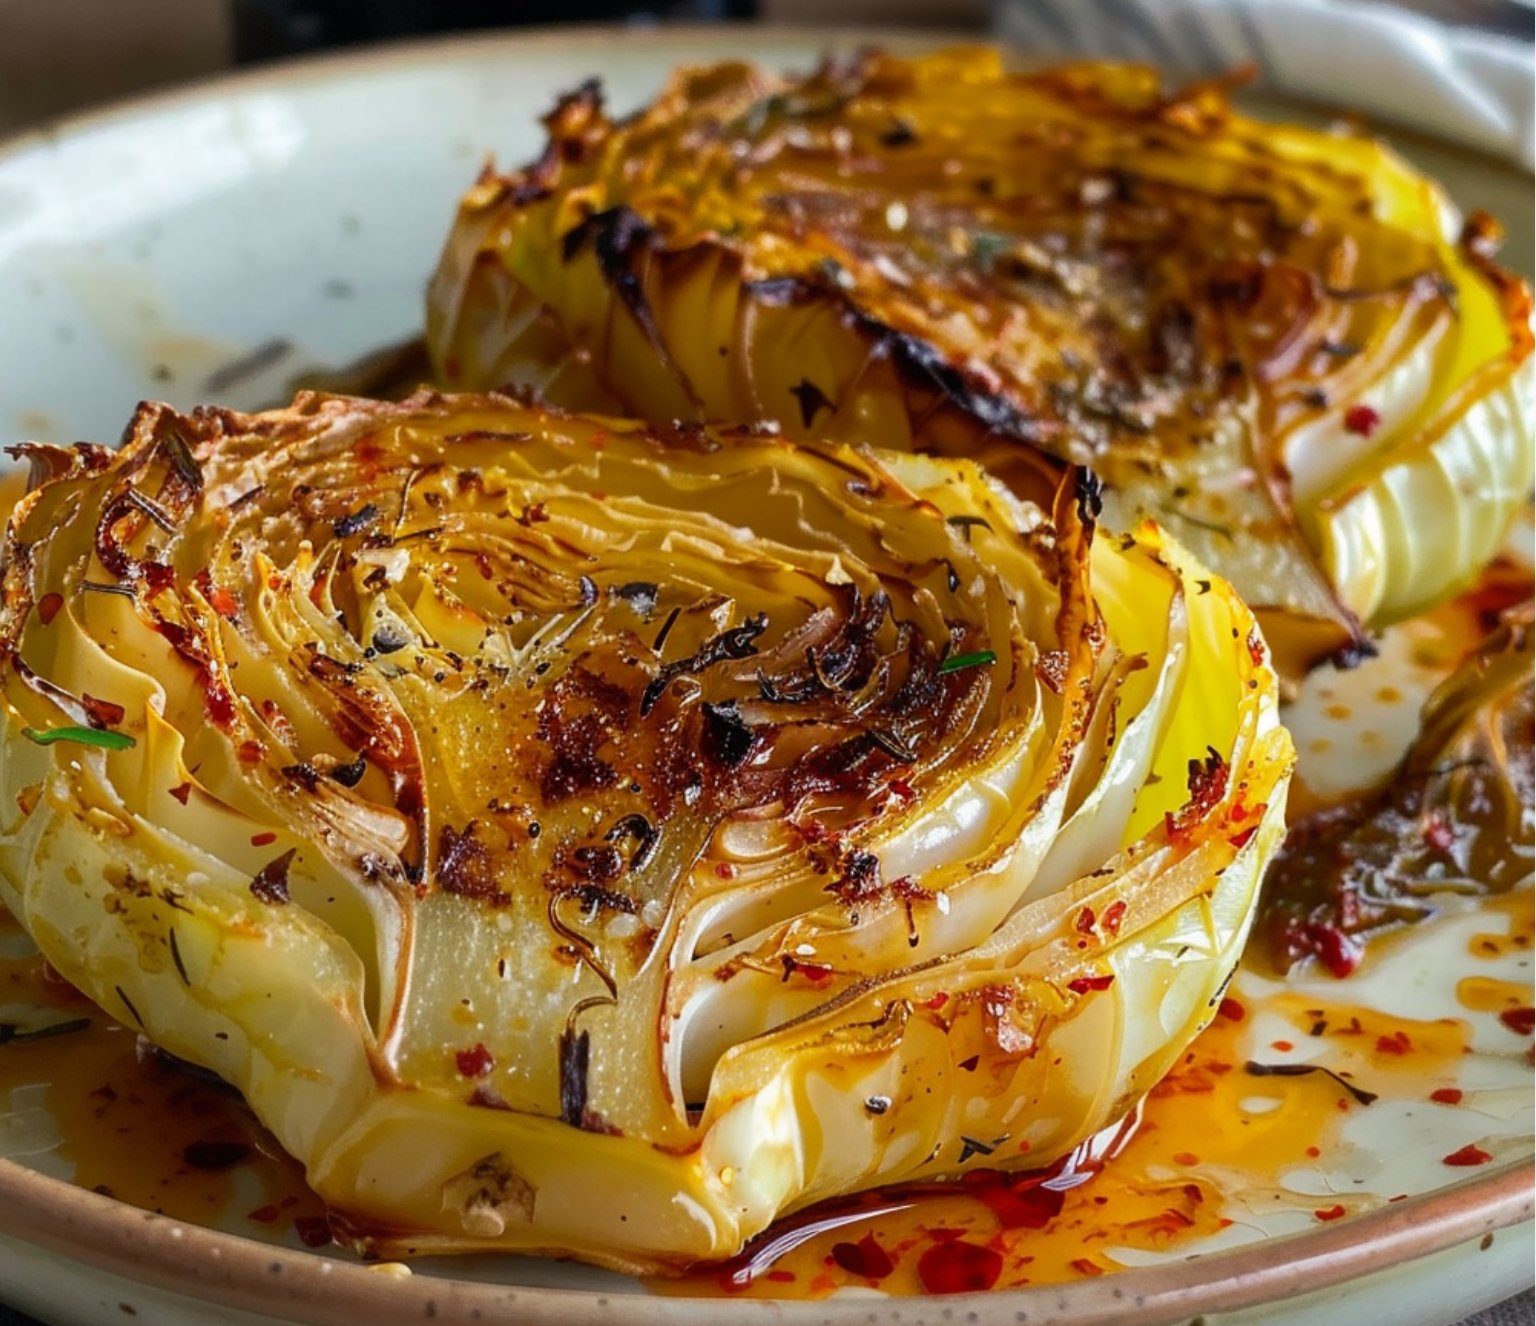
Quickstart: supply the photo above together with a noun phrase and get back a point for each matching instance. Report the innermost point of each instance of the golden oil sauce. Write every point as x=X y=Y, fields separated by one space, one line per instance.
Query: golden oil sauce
x=159 y=1137
x=1232 y=1117
x=1520 y=937
x=1486 y=995
x=135 y=1125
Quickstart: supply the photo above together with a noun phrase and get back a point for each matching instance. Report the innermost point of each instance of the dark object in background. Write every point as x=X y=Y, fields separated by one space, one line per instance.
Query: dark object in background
x=267 y=29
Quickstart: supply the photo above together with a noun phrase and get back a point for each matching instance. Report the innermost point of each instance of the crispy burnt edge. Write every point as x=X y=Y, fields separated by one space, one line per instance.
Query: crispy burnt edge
x=621 y=239
x=158 y=433
x=313 y=412
x=619 y=236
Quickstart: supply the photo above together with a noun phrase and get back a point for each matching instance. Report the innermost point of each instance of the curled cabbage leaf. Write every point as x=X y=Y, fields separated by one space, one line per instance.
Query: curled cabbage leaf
x=575 y=838
x=1274 y=341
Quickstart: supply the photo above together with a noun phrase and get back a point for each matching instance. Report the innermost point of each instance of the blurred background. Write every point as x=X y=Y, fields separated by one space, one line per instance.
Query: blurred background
x=60 y=55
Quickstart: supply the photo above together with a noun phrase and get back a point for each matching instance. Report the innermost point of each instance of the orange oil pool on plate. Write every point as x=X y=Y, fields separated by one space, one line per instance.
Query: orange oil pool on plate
x=1233 y=1116
x=135 y=1125
x=1214 y=1125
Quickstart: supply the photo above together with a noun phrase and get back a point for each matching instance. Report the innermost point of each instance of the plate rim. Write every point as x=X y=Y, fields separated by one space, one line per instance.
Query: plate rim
x=236 y=1271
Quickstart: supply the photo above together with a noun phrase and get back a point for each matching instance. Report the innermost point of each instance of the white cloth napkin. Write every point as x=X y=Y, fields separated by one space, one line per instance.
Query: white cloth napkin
x=1471 y=87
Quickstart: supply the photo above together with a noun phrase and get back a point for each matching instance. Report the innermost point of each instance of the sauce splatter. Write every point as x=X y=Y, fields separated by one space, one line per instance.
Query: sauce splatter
x=1482 y=994
x=1520 y=937
x=1209 y=1132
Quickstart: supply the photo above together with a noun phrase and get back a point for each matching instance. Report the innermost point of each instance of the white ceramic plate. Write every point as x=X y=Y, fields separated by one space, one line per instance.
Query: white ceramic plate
x=214 y=244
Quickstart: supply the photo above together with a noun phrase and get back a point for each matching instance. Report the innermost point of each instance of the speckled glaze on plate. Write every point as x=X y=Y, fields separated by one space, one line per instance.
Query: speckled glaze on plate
x=218 y=243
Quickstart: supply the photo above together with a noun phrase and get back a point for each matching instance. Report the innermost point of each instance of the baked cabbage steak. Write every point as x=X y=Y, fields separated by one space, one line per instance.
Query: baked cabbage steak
x=578 y=839
x=1281 y=343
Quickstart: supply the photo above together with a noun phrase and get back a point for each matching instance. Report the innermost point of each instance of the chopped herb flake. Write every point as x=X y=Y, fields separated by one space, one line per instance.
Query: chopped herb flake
x=85 y=736
x=979 y=658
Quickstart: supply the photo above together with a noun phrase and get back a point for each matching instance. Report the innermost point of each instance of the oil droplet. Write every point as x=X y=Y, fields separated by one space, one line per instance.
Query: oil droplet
x=1483 y=994
x=1520 y=907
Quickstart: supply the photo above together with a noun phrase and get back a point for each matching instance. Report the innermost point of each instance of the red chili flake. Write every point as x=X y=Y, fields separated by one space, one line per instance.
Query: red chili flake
x=903 y=789
x=224 y=603
x=102 y=713
x=263 y=839
x=1230 y=1009
x=1334 y=1212
x=1438 y=833
x=1361 y=419
x=725 y=870
x=1019 y=1207
x=474 y=1062
x=1240 y=840
x=263 y=1215
x=815 y=972
x=1185 y=1158
x=1337 y=951
x=958 y=1267
x=48 y=607
x=251 y=752
x=937 y=1001
x=1083 y=984
x=313 y=1231
x=781 y=1277
x=866 y=1258
x=1085 y=920
x=1255 y=644
x=1207 y=786
x=1468 y=1155
x=1085 y=1267
x=1446 y=1095
x=533 y=514
x=1519 y=1020
x=1285 y=1047
x=1113 y=915
x=1396 y=1043
x=1314 y=1152
x=182 y=792
x=483 y=565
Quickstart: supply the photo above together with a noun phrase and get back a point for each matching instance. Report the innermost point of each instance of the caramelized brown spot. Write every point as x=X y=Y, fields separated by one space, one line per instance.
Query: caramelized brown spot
x=465 y=865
